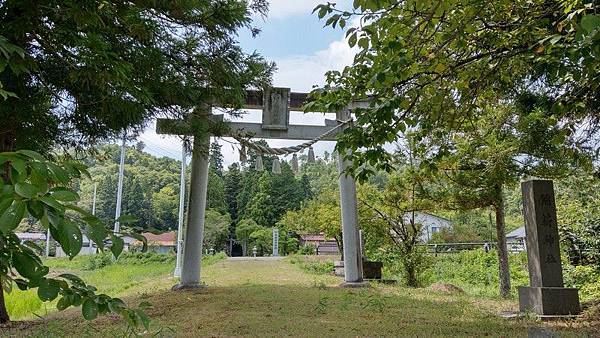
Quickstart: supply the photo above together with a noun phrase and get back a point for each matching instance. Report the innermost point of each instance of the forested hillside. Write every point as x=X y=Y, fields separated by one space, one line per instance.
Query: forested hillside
x=151 y=190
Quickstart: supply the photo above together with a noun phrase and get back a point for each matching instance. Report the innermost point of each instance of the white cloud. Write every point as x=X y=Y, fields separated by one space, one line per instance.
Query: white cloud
x=301 y=72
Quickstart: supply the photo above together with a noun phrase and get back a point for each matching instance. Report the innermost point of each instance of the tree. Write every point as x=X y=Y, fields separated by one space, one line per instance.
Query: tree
x=244 y=229
x=137 y=202
x=276 y=194
x=216 y=229
x=233 y=186
x=215 y=194
x=392 y=212
x=319 y=215
x=165 y=205
x=430 y=64
x=40 y=188
x=75 y=72
x=216 y=159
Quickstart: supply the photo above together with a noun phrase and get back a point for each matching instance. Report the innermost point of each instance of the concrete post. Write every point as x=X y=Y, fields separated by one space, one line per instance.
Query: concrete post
x=177 y=272
x=353 y=274
x=117 y=228
x=192 y=254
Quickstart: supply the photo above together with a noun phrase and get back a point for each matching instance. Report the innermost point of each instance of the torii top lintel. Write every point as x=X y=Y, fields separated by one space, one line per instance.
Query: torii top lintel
x=276 y=104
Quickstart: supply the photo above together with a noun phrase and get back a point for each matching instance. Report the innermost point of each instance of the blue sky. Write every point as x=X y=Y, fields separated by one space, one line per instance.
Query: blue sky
x=303 y=50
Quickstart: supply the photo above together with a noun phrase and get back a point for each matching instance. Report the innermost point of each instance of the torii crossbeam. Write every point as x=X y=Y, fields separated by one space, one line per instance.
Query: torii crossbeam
x=276 y=104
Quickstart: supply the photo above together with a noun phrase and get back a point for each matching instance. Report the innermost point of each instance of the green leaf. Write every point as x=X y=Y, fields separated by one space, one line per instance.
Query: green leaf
x=51 y=202
x=68 y=235
x=19 y=166
x=75 y=280
x=97 y=231
x=590 y=22
x=28 y=265
x=59 y=173
x=115 y=305
x=48 y=289
x=117 y=245
x=143 y=318
x=64 y=194
x=12 y=216
x=32 y=154
x=26 y=190
x=63 y=303
x=89 y=309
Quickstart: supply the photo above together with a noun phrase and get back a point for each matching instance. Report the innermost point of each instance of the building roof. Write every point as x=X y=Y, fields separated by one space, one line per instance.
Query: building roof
x=32 y=236
x=313 y=238
x=167 y=238
x=517 y=233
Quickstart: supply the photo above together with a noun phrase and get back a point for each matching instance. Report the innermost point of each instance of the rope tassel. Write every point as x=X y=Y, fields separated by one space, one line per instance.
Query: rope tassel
x=311 y=155
x=295 y=163
x=276 y=166
x=259 y=163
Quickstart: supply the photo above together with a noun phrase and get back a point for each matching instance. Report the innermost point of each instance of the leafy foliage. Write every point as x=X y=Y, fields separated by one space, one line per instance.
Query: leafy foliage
x=434 y=65
x=76 y=72
x=39 y=188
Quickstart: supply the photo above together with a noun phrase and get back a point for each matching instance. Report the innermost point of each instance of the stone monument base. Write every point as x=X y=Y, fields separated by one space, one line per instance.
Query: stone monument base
x=549 y=301
x=353 y=285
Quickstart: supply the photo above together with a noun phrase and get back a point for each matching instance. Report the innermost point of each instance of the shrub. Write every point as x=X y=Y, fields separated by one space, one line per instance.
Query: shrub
x=476 y=271
x=98 y=261
x=584 y=277
x=313 y=266
x=307 y=249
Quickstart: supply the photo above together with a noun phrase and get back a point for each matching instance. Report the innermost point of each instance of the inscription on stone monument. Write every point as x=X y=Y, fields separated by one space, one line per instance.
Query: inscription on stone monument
x=276 y=113
x=275 y=242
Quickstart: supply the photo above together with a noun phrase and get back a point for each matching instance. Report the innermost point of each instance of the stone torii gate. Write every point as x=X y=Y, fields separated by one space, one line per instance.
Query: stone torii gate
x=276 y=104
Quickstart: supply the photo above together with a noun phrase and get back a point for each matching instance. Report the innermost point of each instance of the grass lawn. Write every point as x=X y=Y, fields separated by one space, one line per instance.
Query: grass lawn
x=277 y=298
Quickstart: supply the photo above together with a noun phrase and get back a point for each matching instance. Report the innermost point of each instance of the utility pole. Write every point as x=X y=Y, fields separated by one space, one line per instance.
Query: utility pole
x=177 y=272
x=93 y=213
x=117 y=228
x=48 y=243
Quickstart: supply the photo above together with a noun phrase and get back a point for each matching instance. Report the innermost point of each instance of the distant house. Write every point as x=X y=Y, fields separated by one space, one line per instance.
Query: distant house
x=35 y=237
x=161 y=243
x=516 y=240
x=431 y=224
x=323 y=246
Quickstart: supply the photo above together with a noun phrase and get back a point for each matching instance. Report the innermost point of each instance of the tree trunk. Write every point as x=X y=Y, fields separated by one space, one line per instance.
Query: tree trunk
x=7 y=143
x=4 y=318
x=502 y=249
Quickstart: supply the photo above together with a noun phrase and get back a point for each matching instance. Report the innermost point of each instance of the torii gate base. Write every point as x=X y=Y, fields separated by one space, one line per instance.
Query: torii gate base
x=276 y=106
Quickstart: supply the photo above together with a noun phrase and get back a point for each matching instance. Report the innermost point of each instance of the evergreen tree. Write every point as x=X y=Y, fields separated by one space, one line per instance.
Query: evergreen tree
x=216 y=159
x=215 y=194
x=233 y=186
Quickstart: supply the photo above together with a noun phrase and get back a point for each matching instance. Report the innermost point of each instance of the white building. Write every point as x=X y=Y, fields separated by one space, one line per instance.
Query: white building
x=430 y=223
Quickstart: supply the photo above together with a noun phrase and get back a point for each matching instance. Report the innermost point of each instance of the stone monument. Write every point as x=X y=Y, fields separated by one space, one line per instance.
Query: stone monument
x=275 y=242
x=546 y=295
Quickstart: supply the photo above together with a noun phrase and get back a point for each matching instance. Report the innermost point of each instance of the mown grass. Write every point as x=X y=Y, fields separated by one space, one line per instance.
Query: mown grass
x=130 y=274
x=277 y=298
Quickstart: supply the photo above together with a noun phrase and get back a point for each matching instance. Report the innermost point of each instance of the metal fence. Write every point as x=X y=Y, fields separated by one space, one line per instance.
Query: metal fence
x=446 y=248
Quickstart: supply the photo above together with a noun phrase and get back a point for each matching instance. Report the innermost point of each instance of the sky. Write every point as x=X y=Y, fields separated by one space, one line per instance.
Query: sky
x=303 y=50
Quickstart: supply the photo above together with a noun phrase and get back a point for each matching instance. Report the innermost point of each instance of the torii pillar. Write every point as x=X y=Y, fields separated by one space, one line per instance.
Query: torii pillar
x=276 y=104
